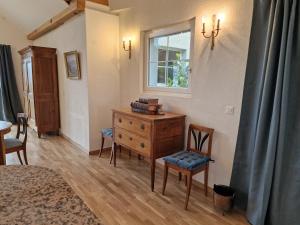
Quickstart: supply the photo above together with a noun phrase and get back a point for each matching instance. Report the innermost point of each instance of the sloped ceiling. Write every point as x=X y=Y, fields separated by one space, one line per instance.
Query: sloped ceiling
x=123 y=4
x=27 y=15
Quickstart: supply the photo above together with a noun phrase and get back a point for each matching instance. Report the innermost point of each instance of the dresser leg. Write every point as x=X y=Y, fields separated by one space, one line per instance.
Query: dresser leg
x=152 y=173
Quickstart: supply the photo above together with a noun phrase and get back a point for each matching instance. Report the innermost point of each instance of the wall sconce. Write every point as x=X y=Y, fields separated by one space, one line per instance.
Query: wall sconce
x=216 y=21
x=127 y=45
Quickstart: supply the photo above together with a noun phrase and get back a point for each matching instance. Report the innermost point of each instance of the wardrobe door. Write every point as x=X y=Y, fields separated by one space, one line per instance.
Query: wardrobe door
x=25 y=87
x=29 y=106
x=46 y=91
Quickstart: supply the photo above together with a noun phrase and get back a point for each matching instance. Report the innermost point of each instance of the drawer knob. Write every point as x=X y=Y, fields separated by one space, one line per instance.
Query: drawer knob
x=143 y=127
x=130 y=122
x=120 y=120
x=142 y=145
x=120 y=136
x=130 y=138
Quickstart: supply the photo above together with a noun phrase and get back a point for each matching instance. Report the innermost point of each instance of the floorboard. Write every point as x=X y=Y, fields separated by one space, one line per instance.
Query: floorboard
x=122 y=196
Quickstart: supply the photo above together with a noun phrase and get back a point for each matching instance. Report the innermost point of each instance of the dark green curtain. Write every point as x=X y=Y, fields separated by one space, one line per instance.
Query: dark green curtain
x=10 y=104
x=266 y=170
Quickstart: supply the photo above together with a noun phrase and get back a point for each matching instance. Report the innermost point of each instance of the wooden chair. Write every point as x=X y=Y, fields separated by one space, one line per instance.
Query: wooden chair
x=16 y=144
x=193 y=160
x=107 y=133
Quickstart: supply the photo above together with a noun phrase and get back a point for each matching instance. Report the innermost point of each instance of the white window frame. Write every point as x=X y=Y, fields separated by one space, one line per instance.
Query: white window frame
x=174 y=29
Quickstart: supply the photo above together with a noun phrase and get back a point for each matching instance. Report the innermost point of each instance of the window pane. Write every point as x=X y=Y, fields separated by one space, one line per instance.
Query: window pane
x=153 y=71
x=162 y=54
x=161 y=77
x=182 y=74
x=156 y=46
x=178 y=75
x=168 y=61
x=174 y=55
x=170 y=77
x=182 y=43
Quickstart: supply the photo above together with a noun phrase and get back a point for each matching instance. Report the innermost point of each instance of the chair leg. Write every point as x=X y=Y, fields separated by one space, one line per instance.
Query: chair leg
x=25 y=156
x=206 y=179
x=188 y=191
x=114 y=154
x=179 y=176
x=185 y=180
x=19 y=157
x=111 y=153
x=165 y=178
x=102 y=145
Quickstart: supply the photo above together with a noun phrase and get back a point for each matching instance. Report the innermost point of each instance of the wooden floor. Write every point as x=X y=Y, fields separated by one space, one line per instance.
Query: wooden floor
x=122 y=195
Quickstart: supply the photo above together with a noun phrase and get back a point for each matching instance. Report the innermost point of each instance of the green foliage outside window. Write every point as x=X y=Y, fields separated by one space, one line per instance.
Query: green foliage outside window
x=180 y=69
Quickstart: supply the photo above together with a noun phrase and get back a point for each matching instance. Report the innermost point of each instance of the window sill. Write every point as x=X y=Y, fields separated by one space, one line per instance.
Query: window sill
x=167 y=94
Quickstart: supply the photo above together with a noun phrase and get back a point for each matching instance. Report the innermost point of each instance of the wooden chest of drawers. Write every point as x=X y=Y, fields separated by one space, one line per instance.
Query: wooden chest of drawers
x=152 y=136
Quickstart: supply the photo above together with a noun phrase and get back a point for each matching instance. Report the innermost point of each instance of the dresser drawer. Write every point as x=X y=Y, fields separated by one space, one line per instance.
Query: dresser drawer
x=133 y=141
x=169 y=128
x=132 y=124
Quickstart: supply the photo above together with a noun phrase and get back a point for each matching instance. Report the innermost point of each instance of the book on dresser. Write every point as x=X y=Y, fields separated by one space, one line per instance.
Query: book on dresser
x=146 y=106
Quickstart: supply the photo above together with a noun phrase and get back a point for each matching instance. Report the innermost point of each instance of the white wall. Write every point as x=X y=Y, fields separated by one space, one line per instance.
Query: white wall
x=102 y=43
x=85 y=105
x=10 y=35
x=217 y=77
x=73 y=94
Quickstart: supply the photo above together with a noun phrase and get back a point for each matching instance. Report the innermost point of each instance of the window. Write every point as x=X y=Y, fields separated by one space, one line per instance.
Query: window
x=168 y=58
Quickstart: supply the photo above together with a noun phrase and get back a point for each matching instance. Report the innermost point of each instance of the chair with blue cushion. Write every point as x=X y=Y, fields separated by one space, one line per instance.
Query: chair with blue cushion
x=18 y=144
x=106 y=133
x=193 y=160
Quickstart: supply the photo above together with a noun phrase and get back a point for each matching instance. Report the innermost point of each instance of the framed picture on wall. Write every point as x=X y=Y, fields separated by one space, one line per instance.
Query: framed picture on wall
x=72 y=62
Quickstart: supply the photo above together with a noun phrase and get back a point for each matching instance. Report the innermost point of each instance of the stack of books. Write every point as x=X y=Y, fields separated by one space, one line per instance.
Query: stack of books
x=148 y=106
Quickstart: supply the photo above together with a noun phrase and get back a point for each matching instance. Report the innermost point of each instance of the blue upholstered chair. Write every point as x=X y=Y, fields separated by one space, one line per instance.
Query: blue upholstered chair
x=193 y=160
x=18 y=143
x=106 y=133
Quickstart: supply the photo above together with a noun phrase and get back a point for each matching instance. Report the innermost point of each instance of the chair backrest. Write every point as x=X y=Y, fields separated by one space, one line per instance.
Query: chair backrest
x=198 y=137
x=22 y=120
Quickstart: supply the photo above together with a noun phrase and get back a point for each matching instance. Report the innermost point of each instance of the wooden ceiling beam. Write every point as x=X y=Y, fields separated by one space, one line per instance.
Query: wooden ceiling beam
x=103 y=2
x=75 y=7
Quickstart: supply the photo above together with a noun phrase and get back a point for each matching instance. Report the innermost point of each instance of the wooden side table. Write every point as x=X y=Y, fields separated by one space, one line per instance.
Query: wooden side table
x=5 y=127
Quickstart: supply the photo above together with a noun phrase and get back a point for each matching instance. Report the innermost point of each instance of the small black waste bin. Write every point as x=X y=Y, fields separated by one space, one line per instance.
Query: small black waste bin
x=223 y=197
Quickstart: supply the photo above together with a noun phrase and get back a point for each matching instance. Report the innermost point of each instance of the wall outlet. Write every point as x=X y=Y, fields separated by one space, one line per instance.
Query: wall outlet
x=229 y=110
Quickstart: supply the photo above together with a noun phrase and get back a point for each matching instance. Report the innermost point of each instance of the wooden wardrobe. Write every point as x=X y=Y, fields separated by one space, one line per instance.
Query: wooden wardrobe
x=40 y=88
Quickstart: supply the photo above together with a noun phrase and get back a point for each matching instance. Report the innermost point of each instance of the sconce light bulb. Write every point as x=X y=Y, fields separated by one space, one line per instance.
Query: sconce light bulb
x=126 y=39
x=127 y=45
x=221 y=17
x=204 y=19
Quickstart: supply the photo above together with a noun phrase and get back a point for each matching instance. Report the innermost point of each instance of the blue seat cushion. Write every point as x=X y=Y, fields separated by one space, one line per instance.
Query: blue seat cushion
x=107 y=132
x=12 y=143
x=187 y=160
